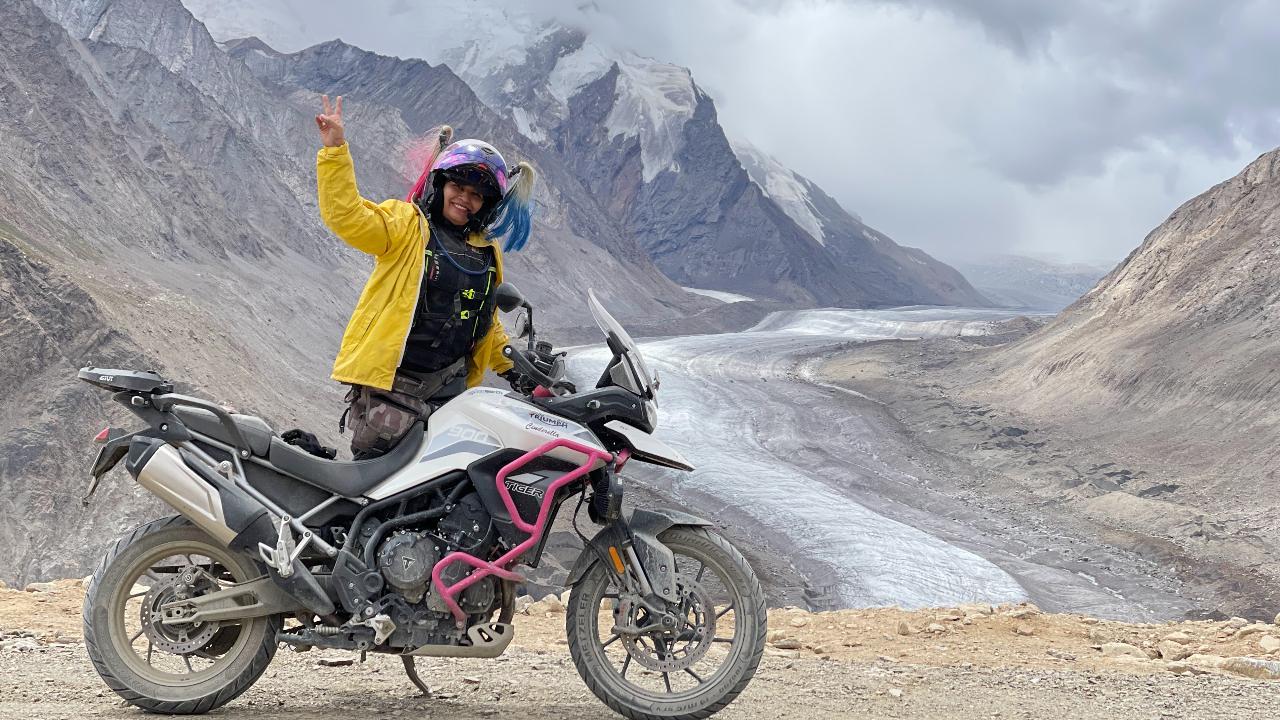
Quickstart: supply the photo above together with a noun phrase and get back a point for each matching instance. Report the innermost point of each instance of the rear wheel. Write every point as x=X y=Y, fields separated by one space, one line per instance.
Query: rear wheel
x=700 y=660
x=185 y=668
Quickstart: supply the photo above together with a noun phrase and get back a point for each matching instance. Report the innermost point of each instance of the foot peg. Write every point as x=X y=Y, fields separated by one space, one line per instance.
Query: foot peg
x=281 y=557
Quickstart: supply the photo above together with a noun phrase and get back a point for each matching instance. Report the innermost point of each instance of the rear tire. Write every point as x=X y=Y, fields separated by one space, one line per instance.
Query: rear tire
x=736 y=591
x=246 y=649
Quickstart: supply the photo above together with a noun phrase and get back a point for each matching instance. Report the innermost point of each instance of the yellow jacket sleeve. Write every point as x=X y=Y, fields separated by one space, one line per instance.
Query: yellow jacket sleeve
x=488 y=353
x=374 y=228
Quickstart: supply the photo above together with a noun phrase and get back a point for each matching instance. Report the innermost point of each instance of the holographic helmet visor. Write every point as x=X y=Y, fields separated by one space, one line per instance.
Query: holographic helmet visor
x=475 y=162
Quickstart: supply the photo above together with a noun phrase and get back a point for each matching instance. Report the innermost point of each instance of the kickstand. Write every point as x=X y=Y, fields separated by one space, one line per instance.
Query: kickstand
x=412 y=672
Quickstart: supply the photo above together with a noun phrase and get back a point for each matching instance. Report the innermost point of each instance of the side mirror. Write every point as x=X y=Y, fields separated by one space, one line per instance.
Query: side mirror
x=522 y=325
x=508 y=297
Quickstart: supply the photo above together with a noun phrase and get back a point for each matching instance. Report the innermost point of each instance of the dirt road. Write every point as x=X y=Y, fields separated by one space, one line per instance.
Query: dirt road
x=951 y=663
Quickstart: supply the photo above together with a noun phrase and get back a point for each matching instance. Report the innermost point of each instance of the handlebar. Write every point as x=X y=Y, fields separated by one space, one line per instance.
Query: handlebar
x=529 y=368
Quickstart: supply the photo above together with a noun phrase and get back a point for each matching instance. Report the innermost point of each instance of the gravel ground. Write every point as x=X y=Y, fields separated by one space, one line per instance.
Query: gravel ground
x=973 y=661
x=59 y=683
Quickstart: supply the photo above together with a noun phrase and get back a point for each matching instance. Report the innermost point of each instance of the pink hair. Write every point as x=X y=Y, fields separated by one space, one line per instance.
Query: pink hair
x=422 y=153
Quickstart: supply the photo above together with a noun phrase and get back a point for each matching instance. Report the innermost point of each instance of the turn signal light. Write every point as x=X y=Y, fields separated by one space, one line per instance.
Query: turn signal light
x=101 y=437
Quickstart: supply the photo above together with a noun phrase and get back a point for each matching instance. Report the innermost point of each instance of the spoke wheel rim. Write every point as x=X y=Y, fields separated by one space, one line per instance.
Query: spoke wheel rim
x=135 y=641
x=682 y=682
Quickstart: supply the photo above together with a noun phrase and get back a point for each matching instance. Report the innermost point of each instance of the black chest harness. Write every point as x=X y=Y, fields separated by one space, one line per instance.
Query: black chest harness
x=455 y=305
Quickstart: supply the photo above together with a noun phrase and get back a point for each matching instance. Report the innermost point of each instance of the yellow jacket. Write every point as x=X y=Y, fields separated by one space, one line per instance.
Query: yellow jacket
x=395 y=235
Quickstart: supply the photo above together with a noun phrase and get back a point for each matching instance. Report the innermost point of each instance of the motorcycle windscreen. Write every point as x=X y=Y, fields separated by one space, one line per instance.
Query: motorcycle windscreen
x=636 y=375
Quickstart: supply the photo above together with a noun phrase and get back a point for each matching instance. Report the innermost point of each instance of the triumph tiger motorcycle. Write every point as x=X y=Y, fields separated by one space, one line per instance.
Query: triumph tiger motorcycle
x=414 y=553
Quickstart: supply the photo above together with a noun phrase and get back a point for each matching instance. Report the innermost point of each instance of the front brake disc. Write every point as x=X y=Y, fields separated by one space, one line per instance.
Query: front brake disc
x=684 y=641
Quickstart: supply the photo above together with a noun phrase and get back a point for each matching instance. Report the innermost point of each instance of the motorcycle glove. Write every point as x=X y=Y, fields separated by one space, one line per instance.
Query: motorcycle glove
x=519 y=383
x=309 y=442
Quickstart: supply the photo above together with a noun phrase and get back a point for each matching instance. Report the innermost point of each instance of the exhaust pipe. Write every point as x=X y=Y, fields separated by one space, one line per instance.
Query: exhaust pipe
x=167 y=477
x=221 y=509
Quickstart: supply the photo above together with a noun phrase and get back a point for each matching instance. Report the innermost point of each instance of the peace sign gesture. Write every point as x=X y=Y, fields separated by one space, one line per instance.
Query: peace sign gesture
x=330 y=123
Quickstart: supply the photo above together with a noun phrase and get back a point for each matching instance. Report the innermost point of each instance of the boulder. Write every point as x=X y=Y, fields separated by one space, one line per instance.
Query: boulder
x=788 y=643
x=1170 y=650
x=1179 y=637
x=1269 y=643
x=936 y=628
x=1121 y=650
x=1253 y=629
x=548 y=604
x=1277 y=620
x=1236 y=623
x=39 y=587
x=799 y=622
x=1024 y=630
x=904 y=628
x=1210 y=662
x=3 y=586
x=1253 y=667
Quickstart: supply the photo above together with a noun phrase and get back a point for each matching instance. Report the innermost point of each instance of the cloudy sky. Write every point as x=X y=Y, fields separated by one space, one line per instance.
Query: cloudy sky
x=1061 y=129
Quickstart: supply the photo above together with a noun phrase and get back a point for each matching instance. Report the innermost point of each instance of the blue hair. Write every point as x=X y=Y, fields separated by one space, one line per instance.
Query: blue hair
x=515 y=211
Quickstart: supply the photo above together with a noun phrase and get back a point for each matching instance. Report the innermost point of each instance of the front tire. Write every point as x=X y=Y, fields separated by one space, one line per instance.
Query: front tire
x=172 y=669
x=688 y=675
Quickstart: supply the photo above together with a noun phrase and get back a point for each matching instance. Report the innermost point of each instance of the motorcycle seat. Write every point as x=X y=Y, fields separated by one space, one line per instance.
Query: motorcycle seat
x=255 y=430
x=346 y=478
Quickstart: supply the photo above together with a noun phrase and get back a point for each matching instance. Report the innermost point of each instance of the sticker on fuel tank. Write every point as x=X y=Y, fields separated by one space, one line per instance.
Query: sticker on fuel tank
x=533 y=492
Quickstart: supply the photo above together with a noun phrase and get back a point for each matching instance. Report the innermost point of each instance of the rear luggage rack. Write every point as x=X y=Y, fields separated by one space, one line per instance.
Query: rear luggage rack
x=135 y=380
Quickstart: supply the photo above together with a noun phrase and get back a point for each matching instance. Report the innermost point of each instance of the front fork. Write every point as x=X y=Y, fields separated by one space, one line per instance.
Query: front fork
x=643 y=568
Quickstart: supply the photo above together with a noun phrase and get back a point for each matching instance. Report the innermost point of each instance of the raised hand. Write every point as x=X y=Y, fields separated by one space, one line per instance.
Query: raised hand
x=329 y=122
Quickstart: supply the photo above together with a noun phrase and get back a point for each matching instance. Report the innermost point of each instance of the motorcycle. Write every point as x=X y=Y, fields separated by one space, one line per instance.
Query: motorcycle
x=414 y=553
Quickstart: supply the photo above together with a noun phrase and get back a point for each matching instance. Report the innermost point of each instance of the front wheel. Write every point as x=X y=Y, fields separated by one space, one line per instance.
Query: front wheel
x=688 y=671
x=172 y=668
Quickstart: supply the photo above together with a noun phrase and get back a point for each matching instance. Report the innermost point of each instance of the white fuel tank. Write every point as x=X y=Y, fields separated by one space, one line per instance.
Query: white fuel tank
x=477 y=423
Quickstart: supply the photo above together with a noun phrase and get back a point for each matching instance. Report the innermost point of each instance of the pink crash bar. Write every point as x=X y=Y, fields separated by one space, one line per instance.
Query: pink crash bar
x=498 y=567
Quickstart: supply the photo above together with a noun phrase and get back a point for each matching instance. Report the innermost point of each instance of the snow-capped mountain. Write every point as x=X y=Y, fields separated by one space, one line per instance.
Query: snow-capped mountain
x=157 y=210
x=792 y=192
x=644 y=139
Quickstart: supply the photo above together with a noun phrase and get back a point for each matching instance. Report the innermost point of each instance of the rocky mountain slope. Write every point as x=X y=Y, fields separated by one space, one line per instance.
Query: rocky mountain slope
x=1017 y=281
x=935 y=664
x=1148 y=409
x=157 y=209
x=645 y=141
x=1174 y=349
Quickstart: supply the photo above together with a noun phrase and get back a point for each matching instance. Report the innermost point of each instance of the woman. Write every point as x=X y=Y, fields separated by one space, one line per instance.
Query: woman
x=425 y=327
